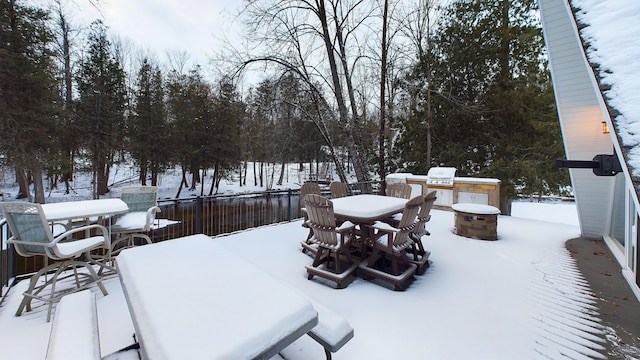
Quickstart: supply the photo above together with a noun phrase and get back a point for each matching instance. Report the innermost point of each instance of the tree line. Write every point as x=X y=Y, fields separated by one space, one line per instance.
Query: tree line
x=393 y=85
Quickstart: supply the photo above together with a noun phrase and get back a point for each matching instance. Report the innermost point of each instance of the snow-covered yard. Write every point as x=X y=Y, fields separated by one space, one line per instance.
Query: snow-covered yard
x=519 y=297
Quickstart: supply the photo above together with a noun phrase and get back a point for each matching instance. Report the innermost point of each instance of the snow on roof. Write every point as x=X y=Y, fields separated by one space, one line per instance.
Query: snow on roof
x=612 y=29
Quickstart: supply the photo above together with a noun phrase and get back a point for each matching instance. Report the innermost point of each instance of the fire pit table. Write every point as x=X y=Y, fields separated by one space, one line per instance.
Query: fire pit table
x=476 y=221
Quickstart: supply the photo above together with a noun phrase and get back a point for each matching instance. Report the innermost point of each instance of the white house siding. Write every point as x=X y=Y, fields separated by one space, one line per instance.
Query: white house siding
x=581 y=111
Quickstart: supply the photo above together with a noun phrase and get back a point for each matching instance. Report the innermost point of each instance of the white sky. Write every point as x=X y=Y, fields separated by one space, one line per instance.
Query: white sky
x=197 y=27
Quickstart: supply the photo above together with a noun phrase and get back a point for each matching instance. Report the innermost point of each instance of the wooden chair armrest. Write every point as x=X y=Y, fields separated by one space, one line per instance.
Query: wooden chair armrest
x=345 y=226
x=384 y=227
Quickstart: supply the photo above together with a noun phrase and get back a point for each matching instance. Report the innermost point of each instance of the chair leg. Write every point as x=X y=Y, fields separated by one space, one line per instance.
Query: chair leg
x=144 y=237
x=33 y=290
x=319 y=256
x=94 y=275
x=394 y=265
x=337 y=257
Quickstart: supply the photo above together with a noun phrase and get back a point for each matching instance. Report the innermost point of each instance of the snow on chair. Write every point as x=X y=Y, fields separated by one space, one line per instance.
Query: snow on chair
x=306 y=189
x=32 y=236
x=389 y=242
x=338 y=189
x=333 y=241
x=143 y=206
x=399 y=190
x=420 y=256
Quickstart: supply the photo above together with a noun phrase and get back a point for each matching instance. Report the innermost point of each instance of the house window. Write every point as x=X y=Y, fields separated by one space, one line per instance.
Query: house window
x=618 y=216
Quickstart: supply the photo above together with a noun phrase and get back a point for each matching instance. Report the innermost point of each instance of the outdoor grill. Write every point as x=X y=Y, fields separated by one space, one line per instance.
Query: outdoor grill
x=441 y=180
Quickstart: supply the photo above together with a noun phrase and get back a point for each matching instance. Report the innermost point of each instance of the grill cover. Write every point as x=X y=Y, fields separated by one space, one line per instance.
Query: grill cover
x=441 y=176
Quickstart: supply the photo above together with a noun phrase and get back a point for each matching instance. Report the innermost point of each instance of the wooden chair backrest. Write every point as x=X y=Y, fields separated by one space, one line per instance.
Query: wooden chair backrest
x=425 y=214
x=321 y=218
x=338 y=189
x=408 y=221
x=399 y=190
x=309 y=188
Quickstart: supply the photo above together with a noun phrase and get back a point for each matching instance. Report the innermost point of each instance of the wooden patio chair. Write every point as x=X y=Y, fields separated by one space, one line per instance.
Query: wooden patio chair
x=417 y=253
x=333 y=241
x=399 y=190
x=338 y=189
x=143 y=206
x=390 y=244
x=31 y=235
x=306 y=189
x=420 y=256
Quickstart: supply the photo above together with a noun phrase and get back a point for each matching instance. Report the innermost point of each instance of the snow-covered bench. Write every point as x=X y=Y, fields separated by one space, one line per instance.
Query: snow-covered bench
x=332 y=331
x=74 y=333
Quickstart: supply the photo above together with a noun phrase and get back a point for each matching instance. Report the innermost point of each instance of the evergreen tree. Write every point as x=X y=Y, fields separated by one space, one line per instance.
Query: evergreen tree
x=191 y=114
x=100 y=109
x=494 y=113
x=28 y=98
x=148 y=128
x=224 y=144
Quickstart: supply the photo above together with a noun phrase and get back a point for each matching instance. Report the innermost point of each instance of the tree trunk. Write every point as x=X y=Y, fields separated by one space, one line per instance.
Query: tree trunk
x=143 y=175
x=383 y=80
x=255 y=179
x=505 y=205
x=282 y=170
x=261 y=174
x=352 y=125
x=244 y=181
x=183 y=182
x=214 y=179
x=38 y=186
x=23 y=184
x=103 y=179
x=204 y=176
x=194 y=180
x=154 y=174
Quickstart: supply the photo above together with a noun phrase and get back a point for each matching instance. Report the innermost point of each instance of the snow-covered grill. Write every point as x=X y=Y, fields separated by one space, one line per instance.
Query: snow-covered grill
x=441 y=177
x=441 y=180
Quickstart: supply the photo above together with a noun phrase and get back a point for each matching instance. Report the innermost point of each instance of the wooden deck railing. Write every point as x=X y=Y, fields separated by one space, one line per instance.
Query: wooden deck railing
x=210 y=215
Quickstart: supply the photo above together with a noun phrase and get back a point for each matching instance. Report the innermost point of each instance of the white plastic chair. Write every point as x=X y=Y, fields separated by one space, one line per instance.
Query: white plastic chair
x=143 y=206
x=32 y=236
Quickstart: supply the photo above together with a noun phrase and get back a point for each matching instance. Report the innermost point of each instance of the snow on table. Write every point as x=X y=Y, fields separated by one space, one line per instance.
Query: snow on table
x=83 y=209
x=191 y=298
x=367 y=208
x=476 y=209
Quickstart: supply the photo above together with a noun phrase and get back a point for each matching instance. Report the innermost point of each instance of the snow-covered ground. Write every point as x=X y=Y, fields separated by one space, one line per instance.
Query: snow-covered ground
x=521 y=296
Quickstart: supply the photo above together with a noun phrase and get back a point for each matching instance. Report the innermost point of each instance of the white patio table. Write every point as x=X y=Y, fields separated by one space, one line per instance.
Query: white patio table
x=191 y=298
x=83 y=209
x=69 y=213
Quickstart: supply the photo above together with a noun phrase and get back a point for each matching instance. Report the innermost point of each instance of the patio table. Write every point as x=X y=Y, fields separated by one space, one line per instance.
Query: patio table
x=83 y=209
x=191 y=298
x=365 y=209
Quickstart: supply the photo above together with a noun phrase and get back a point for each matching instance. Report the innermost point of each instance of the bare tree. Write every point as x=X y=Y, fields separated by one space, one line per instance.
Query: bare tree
x=318 y=42
x=417 y=26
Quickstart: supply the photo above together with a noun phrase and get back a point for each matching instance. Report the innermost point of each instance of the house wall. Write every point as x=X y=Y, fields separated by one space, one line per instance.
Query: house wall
x=581 y=111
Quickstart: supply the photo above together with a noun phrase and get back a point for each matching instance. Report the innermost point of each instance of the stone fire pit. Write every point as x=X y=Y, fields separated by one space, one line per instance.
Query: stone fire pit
x=476 y=221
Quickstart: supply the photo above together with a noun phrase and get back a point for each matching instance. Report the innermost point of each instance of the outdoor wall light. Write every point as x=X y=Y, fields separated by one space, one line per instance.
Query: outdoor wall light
x=605 y=127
